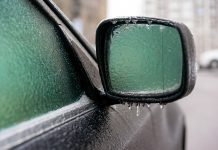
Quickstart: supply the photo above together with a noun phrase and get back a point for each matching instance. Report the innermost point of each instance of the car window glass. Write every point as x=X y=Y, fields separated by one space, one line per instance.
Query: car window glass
x=36 y=72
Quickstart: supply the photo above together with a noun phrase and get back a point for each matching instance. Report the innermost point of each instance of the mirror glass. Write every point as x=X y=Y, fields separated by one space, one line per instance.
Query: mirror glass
x=144 y=59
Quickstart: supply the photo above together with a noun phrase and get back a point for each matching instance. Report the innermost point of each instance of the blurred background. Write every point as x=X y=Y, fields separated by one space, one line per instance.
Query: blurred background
x=201 y=16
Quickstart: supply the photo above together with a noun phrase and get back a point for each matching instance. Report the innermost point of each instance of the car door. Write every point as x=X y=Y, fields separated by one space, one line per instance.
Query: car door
x=48 y=76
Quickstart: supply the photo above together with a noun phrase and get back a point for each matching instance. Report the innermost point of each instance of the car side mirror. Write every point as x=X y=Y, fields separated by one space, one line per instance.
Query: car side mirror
x=145 y=60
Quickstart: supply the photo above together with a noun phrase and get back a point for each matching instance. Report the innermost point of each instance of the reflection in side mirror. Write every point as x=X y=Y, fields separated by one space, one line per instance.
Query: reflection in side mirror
x=145 y=59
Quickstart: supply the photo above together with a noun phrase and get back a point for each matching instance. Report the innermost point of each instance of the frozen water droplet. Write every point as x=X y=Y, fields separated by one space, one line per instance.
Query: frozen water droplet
x=161 y=28
x=114 y=21
x=130 y=106
x=127 y=21
x=162 y=106
x=134 y=21
x=148 y=105
x=149 y=22
x=137 y=110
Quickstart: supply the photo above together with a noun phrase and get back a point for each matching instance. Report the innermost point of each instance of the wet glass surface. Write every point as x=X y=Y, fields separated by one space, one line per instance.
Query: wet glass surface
x=36 y=73
x=145 y=59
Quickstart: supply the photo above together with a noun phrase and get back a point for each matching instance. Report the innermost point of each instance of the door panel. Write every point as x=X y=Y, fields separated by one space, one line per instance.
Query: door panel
x=116 y=128
x=101 y=128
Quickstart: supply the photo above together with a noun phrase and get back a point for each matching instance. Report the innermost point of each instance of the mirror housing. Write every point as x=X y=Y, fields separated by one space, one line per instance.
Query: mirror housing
x=170 y=47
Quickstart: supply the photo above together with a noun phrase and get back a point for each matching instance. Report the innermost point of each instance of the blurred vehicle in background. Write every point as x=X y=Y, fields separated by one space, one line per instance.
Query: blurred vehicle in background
x=209 y=59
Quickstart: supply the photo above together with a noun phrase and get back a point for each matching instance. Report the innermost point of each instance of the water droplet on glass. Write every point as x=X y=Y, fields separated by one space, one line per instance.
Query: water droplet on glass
x=137 y=110
x=161 y=28
x=114 y=21
x=127 y=27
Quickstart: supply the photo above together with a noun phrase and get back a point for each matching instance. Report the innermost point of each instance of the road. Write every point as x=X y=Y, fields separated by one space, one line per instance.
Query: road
x=201 y=110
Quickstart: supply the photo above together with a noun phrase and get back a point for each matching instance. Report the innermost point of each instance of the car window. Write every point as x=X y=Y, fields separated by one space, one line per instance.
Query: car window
x=37 y=74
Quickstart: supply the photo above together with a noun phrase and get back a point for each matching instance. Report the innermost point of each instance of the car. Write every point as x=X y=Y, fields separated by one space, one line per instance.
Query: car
x=209 y=59
x=57 y=92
